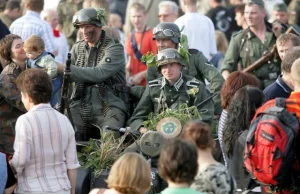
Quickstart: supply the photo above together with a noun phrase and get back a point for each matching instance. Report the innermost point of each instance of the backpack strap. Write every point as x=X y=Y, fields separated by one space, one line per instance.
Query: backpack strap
x=280 y=102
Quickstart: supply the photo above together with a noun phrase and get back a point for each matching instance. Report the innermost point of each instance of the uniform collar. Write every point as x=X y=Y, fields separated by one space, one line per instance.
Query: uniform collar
x=283 y=85
x=12 y=67
x=177 y=84
x=268 y=36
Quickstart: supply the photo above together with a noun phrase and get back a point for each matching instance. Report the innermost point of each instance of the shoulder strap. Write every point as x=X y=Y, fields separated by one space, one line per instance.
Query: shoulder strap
x=280 y=102
x=134 y=47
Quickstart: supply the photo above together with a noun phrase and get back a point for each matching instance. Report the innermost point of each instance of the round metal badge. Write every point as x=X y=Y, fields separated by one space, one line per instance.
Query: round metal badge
x=170 y=127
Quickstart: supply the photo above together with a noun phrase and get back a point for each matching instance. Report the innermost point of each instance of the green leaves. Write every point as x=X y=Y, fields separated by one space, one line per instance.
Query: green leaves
x=183 y=49
x=101 y=15
x=183 y=113
x=149 y=59
x=101 y=154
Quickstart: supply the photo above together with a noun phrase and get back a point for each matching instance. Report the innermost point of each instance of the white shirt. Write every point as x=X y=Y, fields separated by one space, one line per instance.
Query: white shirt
x=44 y=148
x=63 y=48
x=32 y=24
x=200 y=32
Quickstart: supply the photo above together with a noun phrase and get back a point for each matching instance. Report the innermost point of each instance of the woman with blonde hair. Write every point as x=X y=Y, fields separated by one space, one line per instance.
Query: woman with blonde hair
x=222 y=46
x=130 y=174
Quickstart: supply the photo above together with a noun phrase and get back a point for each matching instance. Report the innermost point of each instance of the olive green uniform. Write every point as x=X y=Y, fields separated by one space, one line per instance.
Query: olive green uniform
x=294 y=12
x=159 y=95
x=6 y=20
x=201 y=69
x=245 y=48
x=66 y=9
x=99 y=76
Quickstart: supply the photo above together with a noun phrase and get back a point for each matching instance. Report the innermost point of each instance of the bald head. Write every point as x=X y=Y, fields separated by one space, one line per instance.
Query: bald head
x=295 y=72
x=51 y=17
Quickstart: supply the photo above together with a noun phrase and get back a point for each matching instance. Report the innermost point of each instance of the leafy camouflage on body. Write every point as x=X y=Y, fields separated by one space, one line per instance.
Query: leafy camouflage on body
x=11 y=106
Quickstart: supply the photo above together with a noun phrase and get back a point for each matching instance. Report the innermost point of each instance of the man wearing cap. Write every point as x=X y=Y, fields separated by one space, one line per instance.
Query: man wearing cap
x=98 y=70
x=171 y=90
x=167 y=35
x=248 y=45
x=280 y=13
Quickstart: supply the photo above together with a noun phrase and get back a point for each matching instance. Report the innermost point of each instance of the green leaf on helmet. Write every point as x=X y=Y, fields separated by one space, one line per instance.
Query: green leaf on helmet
x=149 y=59
x=101 y=15
x=183 y=49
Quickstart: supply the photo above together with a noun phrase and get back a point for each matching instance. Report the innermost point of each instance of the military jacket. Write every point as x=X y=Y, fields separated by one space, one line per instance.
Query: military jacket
x=245 y=48
x=11 y=106
x=175 y=95
x=201 y=69
x=66 y=9
x=109 y=71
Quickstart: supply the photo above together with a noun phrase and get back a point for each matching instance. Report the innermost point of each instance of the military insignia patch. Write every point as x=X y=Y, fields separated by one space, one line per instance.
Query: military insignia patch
x=108 y=60
x=170 y=127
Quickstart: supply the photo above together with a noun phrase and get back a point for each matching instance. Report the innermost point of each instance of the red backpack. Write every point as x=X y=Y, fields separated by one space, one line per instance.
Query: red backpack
x=269 y=150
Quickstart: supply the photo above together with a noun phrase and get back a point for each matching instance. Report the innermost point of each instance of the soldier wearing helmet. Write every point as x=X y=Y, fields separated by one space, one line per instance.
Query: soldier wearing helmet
x=98 y=70
x=171 y=90
x=168 y=35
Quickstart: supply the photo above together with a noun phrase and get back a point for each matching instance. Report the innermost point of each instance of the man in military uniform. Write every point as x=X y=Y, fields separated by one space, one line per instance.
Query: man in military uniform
x=167 y=35
x=247 y=46
x=280 y=13
x=171 y=90
x=66 y=9
x=98 y=71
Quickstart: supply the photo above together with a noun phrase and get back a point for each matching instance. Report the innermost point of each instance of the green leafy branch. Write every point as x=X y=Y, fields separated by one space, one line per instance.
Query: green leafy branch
x=101 y=15
x=101 y=154
x=149 y=59
x=183 y=113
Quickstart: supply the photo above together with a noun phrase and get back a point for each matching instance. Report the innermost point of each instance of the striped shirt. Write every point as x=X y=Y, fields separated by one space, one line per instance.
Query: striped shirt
x=44 y=148
x=32 y=24
x=222 y=122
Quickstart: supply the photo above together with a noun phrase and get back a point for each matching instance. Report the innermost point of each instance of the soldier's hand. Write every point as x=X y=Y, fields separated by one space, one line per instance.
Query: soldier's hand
x=277 y=28
x=60 y=68
x=143 y=130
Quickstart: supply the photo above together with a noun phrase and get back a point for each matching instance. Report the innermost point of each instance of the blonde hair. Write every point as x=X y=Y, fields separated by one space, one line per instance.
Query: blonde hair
x=128 y=180
x=221 y=41
x=34 y=43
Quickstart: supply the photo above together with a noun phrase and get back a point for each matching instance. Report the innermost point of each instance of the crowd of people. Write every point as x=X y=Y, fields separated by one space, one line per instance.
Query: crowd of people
x=230 y=59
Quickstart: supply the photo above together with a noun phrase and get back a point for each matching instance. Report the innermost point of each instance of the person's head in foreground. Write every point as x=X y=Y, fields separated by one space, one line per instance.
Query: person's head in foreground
x=178 y=163
x=35 y=87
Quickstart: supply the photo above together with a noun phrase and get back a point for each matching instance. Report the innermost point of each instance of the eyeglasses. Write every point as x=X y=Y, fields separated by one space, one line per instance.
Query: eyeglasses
x=166 y=32
x=167 y=55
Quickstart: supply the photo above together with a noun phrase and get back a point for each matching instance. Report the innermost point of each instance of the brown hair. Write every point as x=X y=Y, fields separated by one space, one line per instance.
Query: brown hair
x=235 y=81
x=199 y=133
x=13 y=4
x=138 y=7
x=178 y=161
x=36 y=83
x=34 y=43
x=289 y=58
x=35 y=5
x=5 y=46
x=240 y=9
x=284 y=38
x=222 y=42
x=295 y=71
x=128 y=180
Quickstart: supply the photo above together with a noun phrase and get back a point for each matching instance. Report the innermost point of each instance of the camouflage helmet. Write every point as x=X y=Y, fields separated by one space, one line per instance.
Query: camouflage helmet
x=167 y=30
x=169 y=55
x=87 y=16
